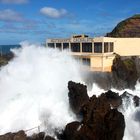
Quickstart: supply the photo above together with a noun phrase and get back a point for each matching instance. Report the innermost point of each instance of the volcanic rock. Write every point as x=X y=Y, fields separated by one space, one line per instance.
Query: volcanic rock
x=77 y=96
x=100 y=121
x=14 y=136
x=5 y=58
x=39 y=136
x=22 y=136
x=49 y=138
x=113 y=98
x=114 y=123
x=124 y=71
x=129 y=97
x=136 y=100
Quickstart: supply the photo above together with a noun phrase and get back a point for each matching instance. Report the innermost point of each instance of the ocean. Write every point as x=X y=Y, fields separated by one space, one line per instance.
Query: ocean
x=6 y=48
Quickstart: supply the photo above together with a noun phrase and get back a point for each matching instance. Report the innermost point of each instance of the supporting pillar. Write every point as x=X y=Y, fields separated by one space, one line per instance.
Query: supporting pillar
x=92 y=47
x=102 y=56
x=62 y=46
x=69 y=46
x=80 y=47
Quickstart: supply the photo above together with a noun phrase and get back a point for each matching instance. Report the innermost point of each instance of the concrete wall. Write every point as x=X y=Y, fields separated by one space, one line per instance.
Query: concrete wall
x=127 y=46
x=102 y=62
x=96 y=61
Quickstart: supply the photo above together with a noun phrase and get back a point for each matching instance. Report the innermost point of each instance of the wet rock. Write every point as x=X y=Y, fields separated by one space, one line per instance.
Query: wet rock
x=14 y=136
x=136 y=100
x=114 y=123
x=71 y=130
x=8 y=136
x=128 y=98
x=77 y=96
x=49 y=138
x=38 y=136
x=124 y=72
x=5 y=58
x=20 y=135
x=113 y=98
x=99 y=120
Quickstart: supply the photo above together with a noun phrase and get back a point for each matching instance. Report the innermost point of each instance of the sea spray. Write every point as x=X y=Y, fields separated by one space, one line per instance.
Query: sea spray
x=132 y=115
x=33 y=92
x=128 y=108
x=33 y=89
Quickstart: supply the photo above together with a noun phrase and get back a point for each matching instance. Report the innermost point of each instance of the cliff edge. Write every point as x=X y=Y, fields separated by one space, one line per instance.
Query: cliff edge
x=129 y=27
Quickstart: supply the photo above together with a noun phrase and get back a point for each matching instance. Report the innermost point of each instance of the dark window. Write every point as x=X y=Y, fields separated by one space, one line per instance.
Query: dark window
x=86 y=61
x=65 y=45
x=51 y=45
x=86 y=47
x=111 y=46
x=58 y=45
x=98 y=47
x=106 y=47
x=75 y=47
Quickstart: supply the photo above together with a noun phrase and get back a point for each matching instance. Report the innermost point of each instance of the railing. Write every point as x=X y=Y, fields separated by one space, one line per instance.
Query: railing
x=37 y=127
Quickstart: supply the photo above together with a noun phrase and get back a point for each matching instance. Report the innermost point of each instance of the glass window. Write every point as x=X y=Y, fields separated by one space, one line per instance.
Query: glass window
x=111 y=46
x=51 y=45
x=75 y=47
x=98 y=47
x=86 y=61
x=65 y=45
x=58 y=45
x=106 y=47
x=86 y=47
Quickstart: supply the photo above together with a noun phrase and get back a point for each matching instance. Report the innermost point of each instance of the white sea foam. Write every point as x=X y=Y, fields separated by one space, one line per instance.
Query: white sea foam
x=132 y=116
x=130 y=112
x=33 y=89
x=33 y=92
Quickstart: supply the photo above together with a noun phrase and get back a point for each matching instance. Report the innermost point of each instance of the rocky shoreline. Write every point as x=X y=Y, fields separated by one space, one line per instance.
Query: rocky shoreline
x=99 y=117
x=5 y=58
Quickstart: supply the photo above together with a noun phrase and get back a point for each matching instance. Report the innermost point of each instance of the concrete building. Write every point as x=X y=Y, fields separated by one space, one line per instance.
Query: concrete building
x=97 y=53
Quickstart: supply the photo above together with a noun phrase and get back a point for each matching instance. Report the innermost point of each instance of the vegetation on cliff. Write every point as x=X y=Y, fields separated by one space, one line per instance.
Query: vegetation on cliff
x=127 y=28
x=124 y=70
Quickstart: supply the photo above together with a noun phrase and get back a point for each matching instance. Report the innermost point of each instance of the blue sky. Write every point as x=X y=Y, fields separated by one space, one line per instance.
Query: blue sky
x=36 y=20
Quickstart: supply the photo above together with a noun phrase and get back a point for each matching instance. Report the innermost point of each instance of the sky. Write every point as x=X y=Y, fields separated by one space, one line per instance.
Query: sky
x=37 y=20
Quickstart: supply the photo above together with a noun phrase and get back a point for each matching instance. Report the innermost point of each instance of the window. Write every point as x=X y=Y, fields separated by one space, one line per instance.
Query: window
x=58 y=45
x=86 y=47
x=65 y=45
x=98 y=47
x=75 y=47
x=51 y=45
x=106 y=47
x=86 y=61
x=111 y=46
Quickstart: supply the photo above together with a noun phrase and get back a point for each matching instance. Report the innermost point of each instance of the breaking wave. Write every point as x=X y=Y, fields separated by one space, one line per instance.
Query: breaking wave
x=33 y=92
x=33 y=89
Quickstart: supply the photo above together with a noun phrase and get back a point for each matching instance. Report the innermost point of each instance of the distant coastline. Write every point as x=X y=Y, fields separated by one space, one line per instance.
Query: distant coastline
x=4 y=49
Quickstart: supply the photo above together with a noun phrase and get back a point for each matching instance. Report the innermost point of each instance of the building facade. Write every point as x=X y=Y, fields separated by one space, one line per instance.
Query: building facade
x=97 y=53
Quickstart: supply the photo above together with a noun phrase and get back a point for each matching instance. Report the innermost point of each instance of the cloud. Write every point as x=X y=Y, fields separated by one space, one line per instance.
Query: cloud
x=10 y=15
x=13 y=1
x=54 y=13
